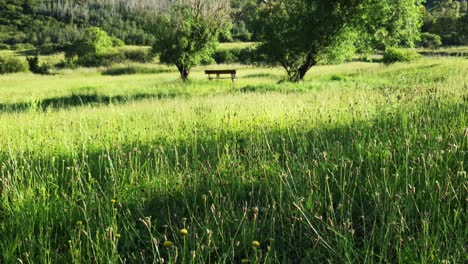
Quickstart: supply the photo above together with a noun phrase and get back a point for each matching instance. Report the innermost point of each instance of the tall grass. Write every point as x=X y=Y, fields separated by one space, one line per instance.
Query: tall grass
x=358 y=164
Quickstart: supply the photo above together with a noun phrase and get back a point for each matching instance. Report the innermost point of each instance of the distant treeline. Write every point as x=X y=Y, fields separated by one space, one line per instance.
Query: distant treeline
x=60 y=22
x=54 y=24
x=447 y=19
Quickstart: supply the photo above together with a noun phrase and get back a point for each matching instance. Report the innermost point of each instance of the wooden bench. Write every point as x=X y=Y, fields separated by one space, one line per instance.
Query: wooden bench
x=221 y=72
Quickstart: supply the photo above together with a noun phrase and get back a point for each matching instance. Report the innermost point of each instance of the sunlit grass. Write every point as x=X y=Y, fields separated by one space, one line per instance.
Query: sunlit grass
x=360 y=163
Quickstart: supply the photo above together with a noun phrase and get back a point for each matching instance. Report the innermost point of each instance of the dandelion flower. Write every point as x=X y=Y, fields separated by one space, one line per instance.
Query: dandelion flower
x=255 y=244
x=184 y=232
x=79 y=222
x=113 y=201
x=168 y=244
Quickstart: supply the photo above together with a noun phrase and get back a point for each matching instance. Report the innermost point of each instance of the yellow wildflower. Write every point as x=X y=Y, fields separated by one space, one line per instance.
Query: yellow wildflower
x=184 y=232
x=255 y=243
x=168 y=244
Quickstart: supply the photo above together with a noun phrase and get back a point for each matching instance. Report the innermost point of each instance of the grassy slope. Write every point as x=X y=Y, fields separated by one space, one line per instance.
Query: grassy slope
x=360 y=163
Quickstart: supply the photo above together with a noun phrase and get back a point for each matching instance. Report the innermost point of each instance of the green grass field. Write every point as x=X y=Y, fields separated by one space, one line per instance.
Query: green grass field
x=360 y=163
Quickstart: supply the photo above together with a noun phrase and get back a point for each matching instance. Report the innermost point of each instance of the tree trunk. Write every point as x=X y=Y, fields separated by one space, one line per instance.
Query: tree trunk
x=308 y=63
x=184 y=72
x=299 y=74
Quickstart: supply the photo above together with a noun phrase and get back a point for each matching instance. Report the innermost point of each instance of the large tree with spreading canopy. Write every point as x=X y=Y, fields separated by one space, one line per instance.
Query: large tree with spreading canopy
x=296 y=33
x=186 y=32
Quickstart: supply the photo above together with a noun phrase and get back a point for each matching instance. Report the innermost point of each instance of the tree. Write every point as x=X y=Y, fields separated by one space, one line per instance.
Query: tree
x=95 y=48
x=296 y=33
x=187 y=32
x=447 y=18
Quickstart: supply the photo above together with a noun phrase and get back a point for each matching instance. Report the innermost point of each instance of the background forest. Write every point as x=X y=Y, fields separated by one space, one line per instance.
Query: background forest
x=46 y=23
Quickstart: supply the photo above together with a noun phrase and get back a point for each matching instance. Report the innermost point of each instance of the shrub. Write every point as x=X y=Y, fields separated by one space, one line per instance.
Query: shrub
x=68 y=63
x=225 y=56
x=95 y=48
x=248 y=56
x=128 y=70
x=116 y=42
x=50 y=48
x=139 y=55
x=22 y=46
x=243 y=56
x=393 y=55
x=96 y=60
x=11 y=65
x=4 y=46
x=429 y=40
x=34 y=66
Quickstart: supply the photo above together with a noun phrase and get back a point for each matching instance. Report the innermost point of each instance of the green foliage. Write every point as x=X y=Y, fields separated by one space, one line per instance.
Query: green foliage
x=116 y=42
x=449 y=20
x=22 y=46
x=63 y=22
x=95 y=48
x=297 y=34
x=393 y=55
x=12 y=65
x=429 y=40
x=4 y=46
x=236 y=55
x=133 y=69
x=138 y=55
x=187 y=33
x=36 y=67
x=342 y=50
x=50 y=48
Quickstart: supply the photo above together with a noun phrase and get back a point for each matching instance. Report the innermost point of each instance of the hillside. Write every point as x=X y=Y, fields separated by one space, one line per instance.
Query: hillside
x=42 y=22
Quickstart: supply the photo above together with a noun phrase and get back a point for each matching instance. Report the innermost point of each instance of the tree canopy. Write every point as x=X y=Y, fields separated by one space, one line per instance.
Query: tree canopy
x=187 y=32
x=295 y=33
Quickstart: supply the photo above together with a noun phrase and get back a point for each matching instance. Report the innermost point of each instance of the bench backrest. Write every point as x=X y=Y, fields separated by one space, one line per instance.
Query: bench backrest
x=220 y=72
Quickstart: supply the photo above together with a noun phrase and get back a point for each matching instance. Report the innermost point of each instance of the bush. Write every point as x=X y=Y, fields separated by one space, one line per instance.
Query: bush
x=94 y=49
x=68 y=63
x=225 y=56
x=12 y=65
x=23 y=46
x=429 y=40
x=96 y=60
x=116 y=42
x=4 y=46
x=34 y=66
x=139 y=55
x=393 y=55
x=243 y=56
x=248 y=56
x=128 y=70
x=50 y=48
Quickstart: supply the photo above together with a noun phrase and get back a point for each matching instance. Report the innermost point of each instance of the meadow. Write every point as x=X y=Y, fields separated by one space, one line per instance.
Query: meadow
x=360 y=163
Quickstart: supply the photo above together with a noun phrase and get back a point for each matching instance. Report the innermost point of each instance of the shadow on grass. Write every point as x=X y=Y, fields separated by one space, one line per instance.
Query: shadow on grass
x=134 y=70
x=77 y=100
x=184 y=182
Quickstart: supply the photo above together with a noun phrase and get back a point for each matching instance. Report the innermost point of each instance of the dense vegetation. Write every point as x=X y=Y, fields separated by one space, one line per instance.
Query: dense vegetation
x=360 y=163
x=449 y=20
x=60 y=22
x=108 y=156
